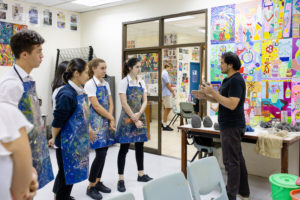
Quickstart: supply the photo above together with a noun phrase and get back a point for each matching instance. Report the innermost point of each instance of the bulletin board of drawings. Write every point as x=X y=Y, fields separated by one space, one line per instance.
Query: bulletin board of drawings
x=265 y=35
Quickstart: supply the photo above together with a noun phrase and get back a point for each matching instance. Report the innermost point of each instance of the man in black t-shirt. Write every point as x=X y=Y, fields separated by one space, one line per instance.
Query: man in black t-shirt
x=231 y=98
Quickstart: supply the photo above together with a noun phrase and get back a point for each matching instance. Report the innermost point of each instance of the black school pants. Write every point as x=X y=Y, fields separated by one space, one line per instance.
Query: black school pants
x=98 y=164
x=233 y=159
x=139 y=155
x=60 y=188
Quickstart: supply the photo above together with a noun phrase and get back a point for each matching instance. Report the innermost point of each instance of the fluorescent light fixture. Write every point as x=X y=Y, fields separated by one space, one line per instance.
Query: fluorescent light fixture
x=94 y=2
x=201 y=30
x=179 y=18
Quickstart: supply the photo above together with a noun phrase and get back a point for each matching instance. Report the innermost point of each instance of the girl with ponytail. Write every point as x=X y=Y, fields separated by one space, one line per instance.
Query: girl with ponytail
x=71 y=131
x=132 y=126
x=102 y=122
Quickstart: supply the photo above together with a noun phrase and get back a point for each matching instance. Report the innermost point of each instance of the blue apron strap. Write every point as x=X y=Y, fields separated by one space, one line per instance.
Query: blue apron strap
x=95 y=82
x=18 y=74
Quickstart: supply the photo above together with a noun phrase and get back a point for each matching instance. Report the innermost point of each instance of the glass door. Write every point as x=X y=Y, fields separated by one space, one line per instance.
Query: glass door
x=151 y=74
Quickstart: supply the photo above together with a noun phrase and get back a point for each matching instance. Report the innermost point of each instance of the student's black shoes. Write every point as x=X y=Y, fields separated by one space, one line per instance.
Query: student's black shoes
x=167 y=128
x=93 y=193
x=144 y=178
x=102 y=188
x=121 y=186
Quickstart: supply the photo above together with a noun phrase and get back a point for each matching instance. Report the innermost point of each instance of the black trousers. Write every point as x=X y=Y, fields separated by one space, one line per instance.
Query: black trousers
x=139 y=155
x=60 y=188
x=233 y=159
x=98 y=164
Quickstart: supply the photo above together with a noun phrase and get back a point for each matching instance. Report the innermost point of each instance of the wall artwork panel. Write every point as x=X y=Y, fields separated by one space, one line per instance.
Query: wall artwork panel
x=223 y=24
x=248 y=21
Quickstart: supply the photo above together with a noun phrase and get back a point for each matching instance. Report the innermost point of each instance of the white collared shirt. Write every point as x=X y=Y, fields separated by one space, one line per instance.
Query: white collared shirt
x=91 y=89
x=128 y=81
x=78 y=89
x=11 y=86
x=11 y=120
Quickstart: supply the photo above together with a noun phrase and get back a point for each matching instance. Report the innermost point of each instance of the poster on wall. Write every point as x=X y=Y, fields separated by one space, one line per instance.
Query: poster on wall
x=276 y=97
x=248 y=21
x=6 y=55
x=287 y=19
x=285 y=58
x=217 y=51
x=6 y=32
x=296 y=57
x=47 y=17
x=252 y=106
x=170 y=39
x=2 y=15
x=269 y=57
x=295 y=102
x=33 y=16
x=17 y=13
x=61 y=20
x=149 y=62
x=277 y=58
x=74 y=21
x=296 y=18
x=250 y=56
x=18 y=27
x=222 y=24
x=273 y=11
x=3 y=10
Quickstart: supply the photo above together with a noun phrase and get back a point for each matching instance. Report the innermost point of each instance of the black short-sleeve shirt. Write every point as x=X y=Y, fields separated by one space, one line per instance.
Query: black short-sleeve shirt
x=233 y=86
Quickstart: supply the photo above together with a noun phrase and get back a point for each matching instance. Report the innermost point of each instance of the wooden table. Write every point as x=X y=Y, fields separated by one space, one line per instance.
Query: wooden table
x=248 y=137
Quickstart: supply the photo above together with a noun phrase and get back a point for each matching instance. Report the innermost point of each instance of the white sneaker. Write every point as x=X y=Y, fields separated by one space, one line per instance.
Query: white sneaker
x=243 y=198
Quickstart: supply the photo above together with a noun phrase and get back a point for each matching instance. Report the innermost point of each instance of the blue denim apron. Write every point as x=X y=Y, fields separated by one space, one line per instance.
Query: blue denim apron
x=29 y=105
x=105 y=137
x=127 y=132
x=75 y=143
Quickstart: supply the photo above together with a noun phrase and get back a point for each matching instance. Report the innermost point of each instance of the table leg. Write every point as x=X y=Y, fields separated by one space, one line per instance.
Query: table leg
x=183 y=152
x=284 y=158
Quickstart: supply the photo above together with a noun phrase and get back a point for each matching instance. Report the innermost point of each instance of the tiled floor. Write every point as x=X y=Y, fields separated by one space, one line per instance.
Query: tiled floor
x=155 y=166
x=171 y=141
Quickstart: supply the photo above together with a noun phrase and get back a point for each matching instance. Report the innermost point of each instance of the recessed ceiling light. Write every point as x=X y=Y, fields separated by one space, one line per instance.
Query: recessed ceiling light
x=94 y=2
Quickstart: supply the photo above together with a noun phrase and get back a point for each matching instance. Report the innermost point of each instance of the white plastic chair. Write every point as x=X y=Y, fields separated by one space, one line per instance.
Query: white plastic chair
x=173 y=187
x=205 y=176
x=127 y=196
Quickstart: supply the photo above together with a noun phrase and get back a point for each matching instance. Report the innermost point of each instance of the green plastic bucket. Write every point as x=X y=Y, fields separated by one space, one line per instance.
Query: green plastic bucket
x=281 y=185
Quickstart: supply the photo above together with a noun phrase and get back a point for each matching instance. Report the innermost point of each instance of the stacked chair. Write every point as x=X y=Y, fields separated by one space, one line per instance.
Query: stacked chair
x=204 y=177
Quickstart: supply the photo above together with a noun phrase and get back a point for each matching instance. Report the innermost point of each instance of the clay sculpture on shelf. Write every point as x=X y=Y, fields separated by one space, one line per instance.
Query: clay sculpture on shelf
x=286 y=126
x=297 y=127
x=196 y=121
x=216 y=126
x=207 y=122
x=266 y=124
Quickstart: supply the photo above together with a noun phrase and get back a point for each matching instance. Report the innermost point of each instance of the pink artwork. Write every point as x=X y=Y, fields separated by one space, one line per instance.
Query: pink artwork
x=295 y=102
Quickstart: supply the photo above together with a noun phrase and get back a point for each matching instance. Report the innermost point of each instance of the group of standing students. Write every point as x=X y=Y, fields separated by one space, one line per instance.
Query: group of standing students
x=83 y=120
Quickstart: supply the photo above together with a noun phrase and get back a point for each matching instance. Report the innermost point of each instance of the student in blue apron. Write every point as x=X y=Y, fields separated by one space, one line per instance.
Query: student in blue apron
x=132 y=127
x=70 y=130
x=57 y=84
x=26 y=46
x=102 y=122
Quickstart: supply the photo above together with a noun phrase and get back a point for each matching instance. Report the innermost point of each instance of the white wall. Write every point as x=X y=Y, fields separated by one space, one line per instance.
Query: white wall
x=103 y=30
x=55 y=38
